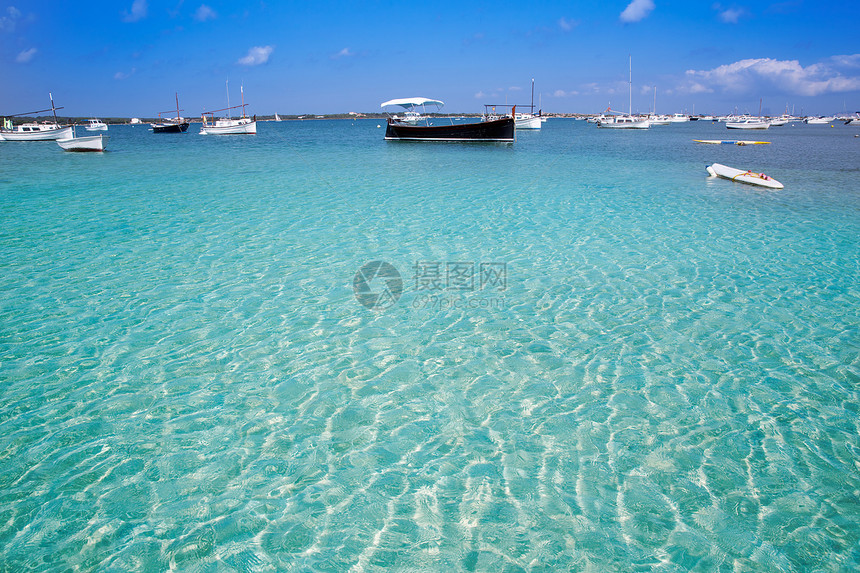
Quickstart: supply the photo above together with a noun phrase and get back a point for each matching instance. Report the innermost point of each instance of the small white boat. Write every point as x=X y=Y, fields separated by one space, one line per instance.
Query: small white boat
x=760 y=179
x=86 y=143
x=628 y=120
x=659 y=119
x=731 y=142
x=748 y=123
x=277 y=117
x=527 y=121
x=96 y=125
x=227 y=125
x=679 y=118
x=818 y=120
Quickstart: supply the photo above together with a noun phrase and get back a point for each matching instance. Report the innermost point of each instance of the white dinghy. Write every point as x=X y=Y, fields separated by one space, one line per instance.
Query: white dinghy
x=760 y=179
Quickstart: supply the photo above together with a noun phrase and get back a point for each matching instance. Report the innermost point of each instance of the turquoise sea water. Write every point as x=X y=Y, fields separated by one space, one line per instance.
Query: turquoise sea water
x=662 y=374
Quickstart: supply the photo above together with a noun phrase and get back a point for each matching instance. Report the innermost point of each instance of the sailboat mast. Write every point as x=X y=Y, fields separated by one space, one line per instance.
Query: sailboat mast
x=53 y=109
x=533 y=95
x=227 y=84
x=242 y=91
x=177 y=105
x=630 y=85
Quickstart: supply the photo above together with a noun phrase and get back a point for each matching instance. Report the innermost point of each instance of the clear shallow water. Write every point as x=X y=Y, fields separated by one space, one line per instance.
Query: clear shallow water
x=669 y=380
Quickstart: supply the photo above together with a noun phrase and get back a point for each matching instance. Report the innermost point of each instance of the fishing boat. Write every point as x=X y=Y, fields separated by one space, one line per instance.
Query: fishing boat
x=760 y=179
x=626 y=121
x=95 y=125
x=227 y=125
x=32 y=131
x=86 y=143
x=171 y=125
x=495 y=130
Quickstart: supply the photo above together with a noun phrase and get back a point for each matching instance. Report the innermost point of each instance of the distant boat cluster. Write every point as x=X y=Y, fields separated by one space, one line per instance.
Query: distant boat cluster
x=498 y=123
x=68 y=140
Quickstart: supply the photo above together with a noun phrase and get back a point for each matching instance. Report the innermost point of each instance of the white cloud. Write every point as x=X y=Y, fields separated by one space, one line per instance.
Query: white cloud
x=567 y=25
x=344 y=53
x=138 y=12
x=515 y=89
x=787 y=75
x=732 y=15
x=257 y=55
x=480 y=95
x=7 y=23
x=637 y=10
x=205 y=13
x=26 y=56
x=124 y=75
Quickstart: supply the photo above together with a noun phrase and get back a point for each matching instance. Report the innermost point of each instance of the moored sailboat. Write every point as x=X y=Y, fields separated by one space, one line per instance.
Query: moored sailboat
x=33 y=131
x=625 y=121
x=227 y=125
x=172 y=125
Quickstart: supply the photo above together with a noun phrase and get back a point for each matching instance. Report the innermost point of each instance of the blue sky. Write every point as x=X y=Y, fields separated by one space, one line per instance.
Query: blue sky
x=128 y=57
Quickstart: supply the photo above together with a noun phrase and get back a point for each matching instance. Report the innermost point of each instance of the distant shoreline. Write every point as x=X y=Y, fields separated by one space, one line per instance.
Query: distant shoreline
x=80 y=120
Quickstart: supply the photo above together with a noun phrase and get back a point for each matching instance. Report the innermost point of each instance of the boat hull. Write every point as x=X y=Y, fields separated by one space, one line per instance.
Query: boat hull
x=87 y=143
x=170 y=127
x=242 y=129
x=644 y=124
x=499 y=130
x=748 y=177
x=43 y=135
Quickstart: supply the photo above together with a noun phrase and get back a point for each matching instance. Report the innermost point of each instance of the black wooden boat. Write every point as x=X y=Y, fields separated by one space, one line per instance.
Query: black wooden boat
x=177 y=125
x=499 y=130
x=180 y=127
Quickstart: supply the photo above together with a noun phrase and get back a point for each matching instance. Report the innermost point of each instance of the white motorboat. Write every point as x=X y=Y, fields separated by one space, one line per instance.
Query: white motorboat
x=748 y=123
x=760 y=179
x=86 y=143
x=679 y=118
x=818 y=120
x=227 y=125
x=625 y=122
x=95 y=125
x=32 y=131
x=659 y=119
